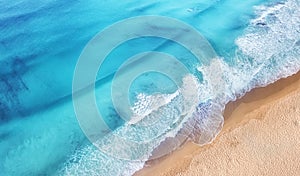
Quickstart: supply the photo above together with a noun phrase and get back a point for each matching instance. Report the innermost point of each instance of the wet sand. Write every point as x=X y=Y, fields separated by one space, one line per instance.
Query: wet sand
x=261 y=136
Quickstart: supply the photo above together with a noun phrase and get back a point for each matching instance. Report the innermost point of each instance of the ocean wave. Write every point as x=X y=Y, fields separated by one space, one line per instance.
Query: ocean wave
x=267 y=51
x=133 y=143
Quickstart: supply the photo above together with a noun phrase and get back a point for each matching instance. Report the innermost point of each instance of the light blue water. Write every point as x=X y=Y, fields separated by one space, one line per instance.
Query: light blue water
x=40 y=42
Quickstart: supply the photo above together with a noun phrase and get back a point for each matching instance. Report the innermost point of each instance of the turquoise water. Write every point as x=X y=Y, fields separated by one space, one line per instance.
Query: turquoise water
x=256 y=42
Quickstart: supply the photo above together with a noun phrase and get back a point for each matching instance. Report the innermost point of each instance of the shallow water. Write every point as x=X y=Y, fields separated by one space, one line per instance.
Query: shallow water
x=256 y=43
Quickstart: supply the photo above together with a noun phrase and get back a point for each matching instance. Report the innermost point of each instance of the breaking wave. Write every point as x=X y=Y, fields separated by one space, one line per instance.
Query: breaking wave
x=268 y=50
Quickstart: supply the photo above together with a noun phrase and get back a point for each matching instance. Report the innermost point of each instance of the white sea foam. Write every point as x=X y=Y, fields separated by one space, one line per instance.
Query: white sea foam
x=146 y=104
x=272 y=43
x=268 y=51
x=132 y=144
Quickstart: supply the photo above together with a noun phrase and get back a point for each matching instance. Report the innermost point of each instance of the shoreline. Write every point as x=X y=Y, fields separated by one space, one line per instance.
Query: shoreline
x=237 y=115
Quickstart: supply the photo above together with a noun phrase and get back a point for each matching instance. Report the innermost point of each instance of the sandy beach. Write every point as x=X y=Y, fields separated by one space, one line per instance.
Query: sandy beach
x=261 y=136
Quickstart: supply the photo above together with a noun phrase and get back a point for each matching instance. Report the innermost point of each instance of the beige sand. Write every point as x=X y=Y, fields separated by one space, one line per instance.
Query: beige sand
x=261 y=136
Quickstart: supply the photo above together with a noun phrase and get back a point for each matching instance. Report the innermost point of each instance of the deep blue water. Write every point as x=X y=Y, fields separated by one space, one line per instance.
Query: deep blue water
x=256 y=43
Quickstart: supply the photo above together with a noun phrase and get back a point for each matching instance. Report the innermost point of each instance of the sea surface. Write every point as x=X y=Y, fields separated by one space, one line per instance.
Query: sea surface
x=256 y=43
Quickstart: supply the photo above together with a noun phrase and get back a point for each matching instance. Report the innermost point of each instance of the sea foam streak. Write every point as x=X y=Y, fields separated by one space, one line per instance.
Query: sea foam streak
x=134 y=144
x=268 y=51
